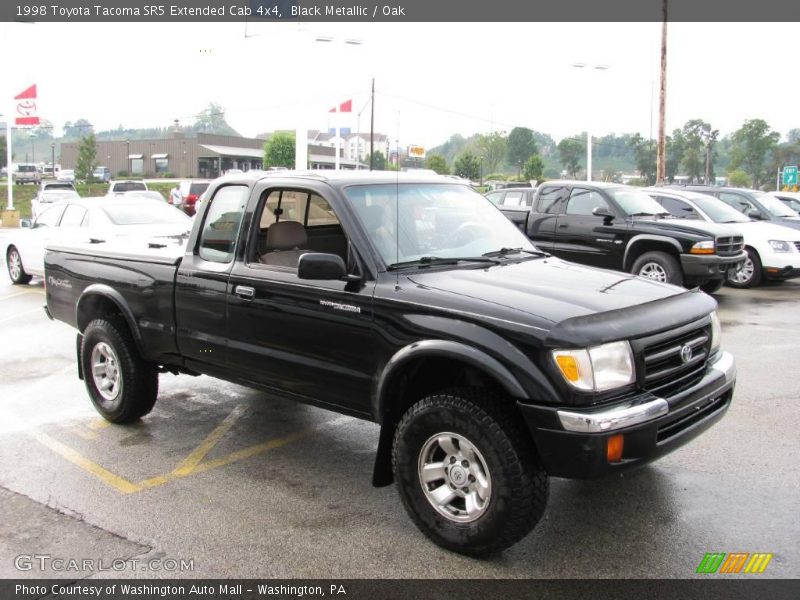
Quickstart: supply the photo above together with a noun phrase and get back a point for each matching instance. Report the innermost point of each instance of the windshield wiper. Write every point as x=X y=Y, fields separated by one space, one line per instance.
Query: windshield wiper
x=507 y=251
x=430 y=261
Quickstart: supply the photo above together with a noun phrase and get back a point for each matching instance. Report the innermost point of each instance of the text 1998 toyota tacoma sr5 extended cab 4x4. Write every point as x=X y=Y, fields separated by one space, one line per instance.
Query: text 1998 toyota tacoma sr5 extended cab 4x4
x=411 y=301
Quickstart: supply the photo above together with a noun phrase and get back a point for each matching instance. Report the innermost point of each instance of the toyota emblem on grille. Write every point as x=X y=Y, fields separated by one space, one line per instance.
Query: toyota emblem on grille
x=686 y=353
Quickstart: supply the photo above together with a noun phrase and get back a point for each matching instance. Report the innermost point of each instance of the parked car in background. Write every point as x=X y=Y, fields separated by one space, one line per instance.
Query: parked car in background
x=515 y=202
x=49 y=196
x=49 y=186
x=102 y=174
x=619 y=227
x=188 y=193
x=66 y=175
x=150 y=194
x=27 y=173
x=773 y=251
x=790 y=199
x=117 y=188
x=753 y=203
x=89 y=219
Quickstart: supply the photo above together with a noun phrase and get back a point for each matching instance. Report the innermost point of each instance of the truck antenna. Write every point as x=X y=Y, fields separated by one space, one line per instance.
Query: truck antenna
x=397 y=206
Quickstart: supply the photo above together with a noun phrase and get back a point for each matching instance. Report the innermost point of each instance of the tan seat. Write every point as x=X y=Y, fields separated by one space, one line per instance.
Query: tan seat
x=285 y=244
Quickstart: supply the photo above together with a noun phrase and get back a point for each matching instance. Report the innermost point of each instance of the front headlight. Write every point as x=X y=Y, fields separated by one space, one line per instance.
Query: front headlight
x=780 y=246
x=706 y=247
x=599 y=368
x=716 y=333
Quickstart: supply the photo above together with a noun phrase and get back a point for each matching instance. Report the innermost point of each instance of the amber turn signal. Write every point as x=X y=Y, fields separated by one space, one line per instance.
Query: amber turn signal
x=614 y=448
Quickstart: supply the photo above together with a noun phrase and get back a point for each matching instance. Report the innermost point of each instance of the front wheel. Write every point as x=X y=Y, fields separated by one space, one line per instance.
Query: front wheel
x=658 y=266
x=467 y=472
x=713 y=286
x=15 y=269
x=749 y=274
x=121 y=385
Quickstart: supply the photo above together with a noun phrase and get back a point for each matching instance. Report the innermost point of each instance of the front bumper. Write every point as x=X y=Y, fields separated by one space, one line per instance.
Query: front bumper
x=781 y=265
x=651 y=426
x=710 y=266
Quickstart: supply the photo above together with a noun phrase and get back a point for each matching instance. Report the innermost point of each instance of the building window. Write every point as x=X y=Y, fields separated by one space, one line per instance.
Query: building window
x=162 y=165
x=137 y=166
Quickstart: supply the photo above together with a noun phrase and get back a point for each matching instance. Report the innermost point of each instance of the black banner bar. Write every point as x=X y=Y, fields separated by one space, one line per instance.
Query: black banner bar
x=397 y=10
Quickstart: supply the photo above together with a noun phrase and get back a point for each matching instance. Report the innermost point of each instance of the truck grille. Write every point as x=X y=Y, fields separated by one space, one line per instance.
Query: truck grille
x=665 y=364
x=682 y=420
x=730 y=245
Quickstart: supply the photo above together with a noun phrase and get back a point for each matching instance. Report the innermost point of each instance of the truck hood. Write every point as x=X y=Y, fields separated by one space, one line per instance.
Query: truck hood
x=692 y=227
x=541 y=292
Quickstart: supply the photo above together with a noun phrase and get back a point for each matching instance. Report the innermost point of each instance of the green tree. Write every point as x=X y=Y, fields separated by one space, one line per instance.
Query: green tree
x=570 y=153
x=87 y=157
x=379 y=162
x=520 y=147
x=699 y=139
x=793 y=136
x=752 y=146
x=467 y=165
x=738 y=178
x=533 y=168
x=644 y=153
x=438 y=163
x=676 y=147
x=492 y=148
x=3 y=151
x=279 y=150
x=212 y=120
x=78 y=129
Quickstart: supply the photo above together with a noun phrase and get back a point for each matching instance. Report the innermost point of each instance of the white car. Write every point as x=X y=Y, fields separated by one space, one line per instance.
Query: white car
x=46 y=197
x=773 y=250
x=117 y=188
x=790 y=199
x=82 y=220
x=67 y=175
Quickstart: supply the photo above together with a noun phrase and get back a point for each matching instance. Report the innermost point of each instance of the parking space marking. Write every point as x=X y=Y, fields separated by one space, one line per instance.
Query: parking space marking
x=115 y=481
x=189 y=463
x=22 y=293
x=24 y=312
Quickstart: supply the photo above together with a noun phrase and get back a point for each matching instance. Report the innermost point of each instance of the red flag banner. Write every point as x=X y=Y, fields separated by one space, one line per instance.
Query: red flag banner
x=26 y=107
x=343 y=107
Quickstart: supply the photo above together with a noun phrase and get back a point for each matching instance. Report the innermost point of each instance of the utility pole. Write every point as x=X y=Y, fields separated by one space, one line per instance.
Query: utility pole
x=661 y=158
x=372 y=129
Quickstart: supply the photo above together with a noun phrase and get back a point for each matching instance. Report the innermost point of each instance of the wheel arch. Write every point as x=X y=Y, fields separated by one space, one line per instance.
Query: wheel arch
x=98 y=301
x=640 y=244
x=421 y=368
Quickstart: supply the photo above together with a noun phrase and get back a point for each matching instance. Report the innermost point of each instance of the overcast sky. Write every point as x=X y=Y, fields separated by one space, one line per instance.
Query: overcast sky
x=431 y=80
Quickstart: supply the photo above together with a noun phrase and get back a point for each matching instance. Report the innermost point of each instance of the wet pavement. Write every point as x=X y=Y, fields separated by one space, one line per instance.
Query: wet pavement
x=221 y=481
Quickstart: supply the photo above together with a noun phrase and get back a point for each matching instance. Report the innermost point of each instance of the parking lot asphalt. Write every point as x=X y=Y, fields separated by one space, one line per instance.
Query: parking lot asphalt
x=242 y=485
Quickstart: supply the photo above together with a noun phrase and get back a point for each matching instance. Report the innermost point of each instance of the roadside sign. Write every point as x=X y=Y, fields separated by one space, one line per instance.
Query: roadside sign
x=790 y=175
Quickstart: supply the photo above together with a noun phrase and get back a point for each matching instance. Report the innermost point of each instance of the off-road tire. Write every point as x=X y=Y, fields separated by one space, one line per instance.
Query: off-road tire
x=139 y=379
x=519 y=483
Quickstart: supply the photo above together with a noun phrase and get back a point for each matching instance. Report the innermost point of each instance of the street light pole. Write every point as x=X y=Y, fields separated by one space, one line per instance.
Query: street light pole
x=661 y=157
x=53 y=158
x=588 y=127
x=128 y=166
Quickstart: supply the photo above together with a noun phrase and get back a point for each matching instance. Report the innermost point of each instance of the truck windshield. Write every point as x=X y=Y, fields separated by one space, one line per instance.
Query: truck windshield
x=774 y=206
x=435 y=220
x=634 y=202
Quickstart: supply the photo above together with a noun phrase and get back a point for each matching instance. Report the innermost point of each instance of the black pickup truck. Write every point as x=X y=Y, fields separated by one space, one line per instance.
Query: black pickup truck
x=410 y=301
x=619 y=227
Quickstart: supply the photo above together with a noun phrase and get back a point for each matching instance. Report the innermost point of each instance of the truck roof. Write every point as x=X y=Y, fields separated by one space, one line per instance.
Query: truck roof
x=340 y=178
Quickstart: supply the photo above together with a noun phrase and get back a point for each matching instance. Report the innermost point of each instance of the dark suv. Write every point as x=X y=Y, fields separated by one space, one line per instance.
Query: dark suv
x=619 y=227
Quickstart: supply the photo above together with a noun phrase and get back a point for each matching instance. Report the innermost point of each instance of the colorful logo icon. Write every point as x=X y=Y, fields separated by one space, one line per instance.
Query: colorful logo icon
x=735 y=562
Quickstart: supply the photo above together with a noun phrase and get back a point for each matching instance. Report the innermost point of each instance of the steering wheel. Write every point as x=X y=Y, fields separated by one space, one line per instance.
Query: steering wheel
x=466 y=233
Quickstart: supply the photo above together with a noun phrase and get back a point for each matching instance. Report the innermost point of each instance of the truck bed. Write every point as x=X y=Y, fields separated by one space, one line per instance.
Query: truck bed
x=141 y=275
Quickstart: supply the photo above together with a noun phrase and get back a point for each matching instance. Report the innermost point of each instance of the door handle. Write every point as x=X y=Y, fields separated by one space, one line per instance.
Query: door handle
x=245 y=292
x=563 y=226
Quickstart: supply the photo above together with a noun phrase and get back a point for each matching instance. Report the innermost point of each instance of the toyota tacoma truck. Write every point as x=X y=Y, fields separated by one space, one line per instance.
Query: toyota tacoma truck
x=410 y=301
x=620 y=227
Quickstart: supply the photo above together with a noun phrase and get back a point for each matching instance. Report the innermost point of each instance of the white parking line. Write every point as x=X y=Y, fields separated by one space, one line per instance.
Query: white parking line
x=22 y=293
x=24 y=312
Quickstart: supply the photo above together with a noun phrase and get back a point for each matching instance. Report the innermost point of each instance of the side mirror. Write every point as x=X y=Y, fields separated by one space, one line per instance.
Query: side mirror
x=602 y=211
x=754 y=214
x=321 y=266
x=25 y=223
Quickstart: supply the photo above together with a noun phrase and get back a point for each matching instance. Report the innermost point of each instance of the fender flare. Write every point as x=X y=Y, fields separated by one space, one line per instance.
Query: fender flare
x=105 y=291
x=645 y=237
x=449 y=349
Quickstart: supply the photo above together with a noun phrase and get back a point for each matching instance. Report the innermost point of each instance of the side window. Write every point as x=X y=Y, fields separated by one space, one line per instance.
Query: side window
x=736 y=201
x=74 y=216
x=583 y=202
x=50 y=217
x=495 y=197
x=550 y=200
x=512 y=199
x=679 y=208
x=221 y=225
x=320 y=212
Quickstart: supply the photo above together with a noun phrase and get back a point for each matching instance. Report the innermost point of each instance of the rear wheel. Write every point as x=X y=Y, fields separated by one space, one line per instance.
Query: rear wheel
x=749 y=274
x=468 y=473
x=658 y=266
x=121 y=385
x=15 y=269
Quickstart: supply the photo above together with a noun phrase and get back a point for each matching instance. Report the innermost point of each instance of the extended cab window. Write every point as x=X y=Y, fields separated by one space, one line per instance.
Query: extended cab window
x=583 y=202
x=512 y=199
x=679 y=208
x=550 y=200
x=221 y=225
